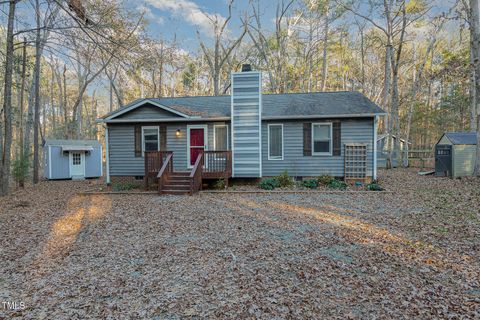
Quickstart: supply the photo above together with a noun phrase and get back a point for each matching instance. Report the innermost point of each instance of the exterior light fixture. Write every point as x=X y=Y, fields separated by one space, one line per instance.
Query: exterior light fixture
x=178 y=132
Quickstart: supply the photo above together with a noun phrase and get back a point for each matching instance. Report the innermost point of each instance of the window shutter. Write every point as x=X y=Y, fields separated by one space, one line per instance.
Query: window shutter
x=163 y=138
x=337 y=138
x=307 y=139
x=138 y=140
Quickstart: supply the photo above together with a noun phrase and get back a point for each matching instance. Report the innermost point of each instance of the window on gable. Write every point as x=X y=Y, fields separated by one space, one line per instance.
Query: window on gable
x=275 y=142
x=221 y=137
x=150 y=139
x=322 y=138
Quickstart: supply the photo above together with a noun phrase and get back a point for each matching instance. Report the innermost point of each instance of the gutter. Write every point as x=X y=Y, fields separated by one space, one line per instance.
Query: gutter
x=357 y=115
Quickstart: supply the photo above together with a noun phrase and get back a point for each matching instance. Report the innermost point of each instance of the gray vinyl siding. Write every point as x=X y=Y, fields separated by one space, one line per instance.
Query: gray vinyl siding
x=246 y=107
x=59 y=163
x=147 y=111
x=463 y=160
x=93 y=163
x=352 y=131
x=122 y=148
x=121 y=141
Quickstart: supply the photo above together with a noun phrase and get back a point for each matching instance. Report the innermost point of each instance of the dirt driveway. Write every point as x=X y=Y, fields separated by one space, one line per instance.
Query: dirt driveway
x=413 y=253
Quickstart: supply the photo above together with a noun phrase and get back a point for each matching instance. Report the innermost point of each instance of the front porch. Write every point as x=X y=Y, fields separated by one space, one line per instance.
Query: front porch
x=159 y=171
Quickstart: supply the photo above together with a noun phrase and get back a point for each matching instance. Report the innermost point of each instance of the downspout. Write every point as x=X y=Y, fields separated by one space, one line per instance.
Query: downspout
x=107 y=157
x=375 y=123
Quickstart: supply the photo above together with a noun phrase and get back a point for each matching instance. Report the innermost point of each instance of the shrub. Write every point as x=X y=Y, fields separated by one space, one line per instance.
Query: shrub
x=284 y=180
x=374 y=186
x=219 y=184
x=310 y=183
x=325 y=180
x=337 y=184
x=20 y=169
x=268 y=184
x=124 y=186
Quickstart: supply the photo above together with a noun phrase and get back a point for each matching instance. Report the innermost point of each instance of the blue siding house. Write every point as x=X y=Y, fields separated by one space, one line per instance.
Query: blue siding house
x=308 y=134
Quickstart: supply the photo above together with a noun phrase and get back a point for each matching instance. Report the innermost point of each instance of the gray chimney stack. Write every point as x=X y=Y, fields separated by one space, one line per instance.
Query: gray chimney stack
x=246 y=113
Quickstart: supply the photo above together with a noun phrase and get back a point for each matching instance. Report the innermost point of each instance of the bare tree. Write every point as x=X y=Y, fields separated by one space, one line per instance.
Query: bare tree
x=221 y=52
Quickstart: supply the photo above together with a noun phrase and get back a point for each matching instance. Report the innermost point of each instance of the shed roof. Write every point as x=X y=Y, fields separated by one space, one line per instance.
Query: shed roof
x=288 y=105
x=462 y=137
x=82 y=143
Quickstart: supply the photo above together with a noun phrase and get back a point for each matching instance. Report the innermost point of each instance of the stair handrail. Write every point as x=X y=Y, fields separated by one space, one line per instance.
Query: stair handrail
x=164 y=172
x=196 y=175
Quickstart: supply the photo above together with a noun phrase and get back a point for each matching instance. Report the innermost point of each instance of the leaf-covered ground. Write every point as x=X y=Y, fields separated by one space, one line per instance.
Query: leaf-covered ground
x=413 y=253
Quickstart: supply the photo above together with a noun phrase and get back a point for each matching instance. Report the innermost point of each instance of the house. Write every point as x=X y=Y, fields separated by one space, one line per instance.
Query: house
x=72 y=159
x=455 y=154
x=246 y=134
x=383 y=148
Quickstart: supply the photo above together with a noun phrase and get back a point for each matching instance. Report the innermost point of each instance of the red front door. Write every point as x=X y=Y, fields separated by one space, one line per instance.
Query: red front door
x=197 y=143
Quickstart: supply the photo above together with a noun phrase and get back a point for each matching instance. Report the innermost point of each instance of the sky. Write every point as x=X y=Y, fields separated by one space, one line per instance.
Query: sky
x=180 y=19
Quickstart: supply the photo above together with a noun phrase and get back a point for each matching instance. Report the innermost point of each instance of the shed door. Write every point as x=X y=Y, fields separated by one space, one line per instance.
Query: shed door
x=77 y=164
x=443 y=160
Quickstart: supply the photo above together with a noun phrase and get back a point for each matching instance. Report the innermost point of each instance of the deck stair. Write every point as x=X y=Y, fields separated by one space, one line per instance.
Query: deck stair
x=178 y=182
x=209 y=164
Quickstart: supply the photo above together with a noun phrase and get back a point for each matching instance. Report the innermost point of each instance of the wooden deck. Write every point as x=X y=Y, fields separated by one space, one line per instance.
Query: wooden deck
x=208 y=165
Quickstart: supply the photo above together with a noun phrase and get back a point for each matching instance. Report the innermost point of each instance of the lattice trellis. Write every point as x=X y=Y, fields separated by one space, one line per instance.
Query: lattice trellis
x=355 y=161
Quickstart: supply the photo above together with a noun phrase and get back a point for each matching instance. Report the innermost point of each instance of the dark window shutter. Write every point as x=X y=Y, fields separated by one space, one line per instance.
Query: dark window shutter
x=337 y=138
x=163 y=138
x=307 y=139
x=138 y=140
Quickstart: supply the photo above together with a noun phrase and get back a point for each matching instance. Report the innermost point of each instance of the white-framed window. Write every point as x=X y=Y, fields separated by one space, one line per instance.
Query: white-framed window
x=150 y=139
x=275 y=141
x=220 y=137
x=322 y=139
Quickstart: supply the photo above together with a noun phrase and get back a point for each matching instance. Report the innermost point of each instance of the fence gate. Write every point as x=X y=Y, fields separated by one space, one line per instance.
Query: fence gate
x=355 y=161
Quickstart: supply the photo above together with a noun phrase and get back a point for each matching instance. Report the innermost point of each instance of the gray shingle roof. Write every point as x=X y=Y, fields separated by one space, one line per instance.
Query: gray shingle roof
x=275 y=105
x=462 y=137
x=58 y=142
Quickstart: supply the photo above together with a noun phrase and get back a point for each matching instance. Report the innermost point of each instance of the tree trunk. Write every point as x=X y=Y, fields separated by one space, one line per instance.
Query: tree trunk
x=475 y=36
x=325 y=49
x=7 y=103
x=36 y=122
x=21 y=181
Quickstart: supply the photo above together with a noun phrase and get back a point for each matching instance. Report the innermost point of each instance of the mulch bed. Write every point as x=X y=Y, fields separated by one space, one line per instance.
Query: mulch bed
x=409 y=253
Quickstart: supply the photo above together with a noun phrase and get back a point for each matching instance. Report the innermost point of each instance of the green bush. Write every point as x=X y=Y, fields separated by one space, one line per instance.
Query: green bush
x=310 y=183
x=374 y=186
x=284 y=180
x=269 y=184
x=337 y=184
x=124 y=186
x=219 y=184
x=325 y=180
x=20 y=169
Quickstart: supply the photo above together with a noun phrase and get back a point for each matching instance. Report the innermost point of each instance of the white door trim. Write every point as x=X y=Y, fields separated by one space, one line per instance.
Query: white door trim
x=205 y=139
x=82 y=159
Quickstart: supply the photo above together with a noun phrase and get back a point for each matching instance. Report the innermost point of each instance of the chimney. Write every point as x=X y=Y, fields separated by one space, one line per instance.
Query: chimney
x=246 y=122
x=246 y=67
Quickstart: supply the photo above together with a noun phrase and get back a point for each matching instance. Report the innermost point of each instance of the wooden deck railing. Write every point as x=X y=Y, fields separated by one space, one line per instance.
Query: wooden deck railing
x=217 y=164
x=153 y=163
x=196 y=175
x=164 y=173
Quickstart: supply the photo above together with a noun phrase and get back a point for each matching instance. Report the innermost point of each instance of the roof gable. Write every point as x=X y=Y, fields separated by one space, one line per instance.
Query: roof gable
x=462 y=137
x=147 y=111
x=144 y=109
